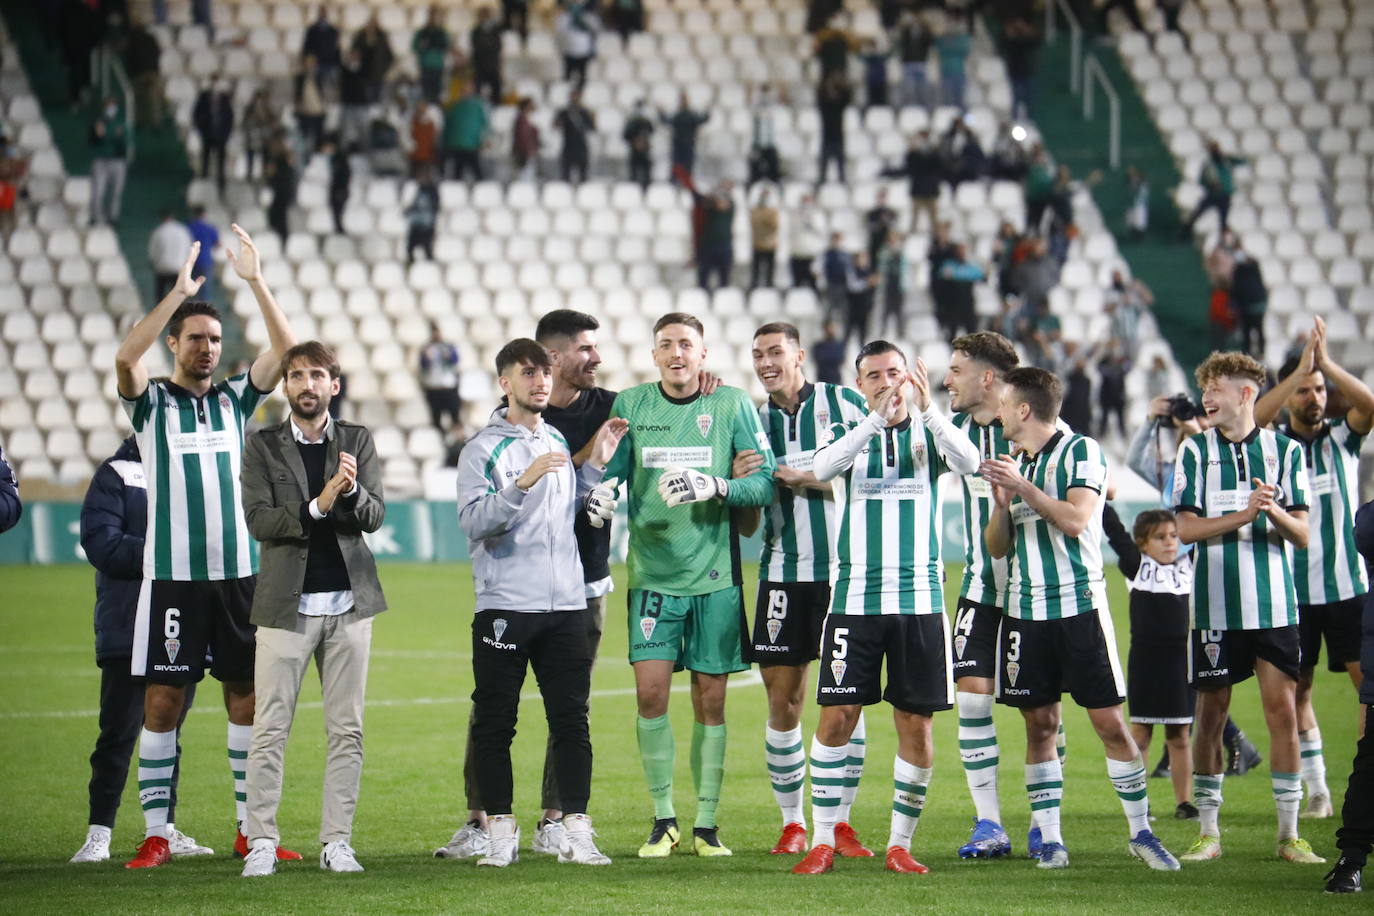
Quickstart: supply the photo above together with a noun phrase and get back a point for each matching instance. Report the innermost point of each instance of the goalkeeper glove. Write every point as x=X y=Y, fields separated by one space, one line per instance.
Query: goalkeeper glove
x=602 y=502
x=684 y=485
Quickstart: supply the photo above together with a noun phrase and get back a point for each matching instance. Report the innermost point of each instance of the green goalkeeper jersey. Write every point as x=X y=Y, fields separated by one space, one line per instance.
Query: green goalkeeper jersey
x=690 y=549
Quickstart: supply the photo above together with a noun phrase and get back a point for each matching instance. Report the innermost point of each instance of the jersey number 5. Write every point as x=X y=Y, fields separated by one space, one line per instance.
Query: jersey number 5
x=840 y=637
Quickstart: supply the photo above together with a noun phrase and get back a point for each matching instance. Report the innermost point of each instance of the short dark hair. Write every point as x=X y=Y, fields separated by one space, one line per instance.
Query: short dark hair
x=877 y=348
x=780 y=327
x=197 y=211
x=312 y=353
x=691 y=321
x=564 y=323
x=1039 y=388
x=189 y=309
x=1290 y=365
x=1147 y=521
x=990 y=348
x=522 y=350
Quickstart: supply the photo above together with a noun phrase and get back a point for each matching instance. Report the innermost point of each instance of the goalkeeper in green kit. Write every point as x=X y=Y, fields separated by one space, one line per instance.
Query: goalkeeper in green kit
x=685 y=601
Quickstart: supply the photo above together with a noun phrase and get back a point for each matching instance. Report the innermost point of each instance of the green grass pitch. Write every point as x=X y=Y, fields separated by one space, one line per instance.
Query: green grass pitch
x=411 y=796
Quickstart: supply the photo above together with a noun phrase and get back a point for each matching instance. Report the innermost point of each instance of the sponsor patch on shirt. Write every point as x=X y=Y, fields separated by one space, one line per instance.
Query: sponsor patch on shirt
x=800 y=461
x=1321 y=484
x=202 y=442
x=890 y=489
x=700 y=457
x=978 y=488
x=1023 y=514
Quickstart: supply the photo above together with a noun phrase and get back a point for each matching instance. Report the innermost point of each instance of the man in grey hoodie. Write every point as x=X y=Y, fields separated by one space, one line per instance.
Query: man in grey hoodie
x=518 y=495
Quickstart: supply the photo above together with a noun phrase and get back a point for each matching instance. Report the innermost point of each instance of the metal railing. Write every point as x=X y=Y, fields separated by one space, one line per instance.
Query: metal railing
x=1075 y=39
x=107 y=71
x=1094 y=73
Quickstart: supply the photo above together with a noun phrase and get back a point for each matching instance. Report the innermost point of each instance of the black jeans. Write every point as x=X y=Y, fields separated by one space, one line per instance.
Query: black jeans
x=1210 y=200
x=443 y=401
x=459 y=161
x=1355 y=838
x=803 y=272
x=832 y=150
x=1251 y=321
x=121 y=720
x=504 y=645
x=714 y=260
x=574 y=162
x=491 y=81
x=213 y=151
x=421 y=237
x=761 y=273
x=640 y=168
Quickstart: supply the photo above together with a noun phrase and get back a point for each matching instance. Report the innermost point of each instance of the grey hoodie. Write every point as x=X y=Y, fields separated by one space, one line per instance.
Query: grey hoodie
x=524 y=554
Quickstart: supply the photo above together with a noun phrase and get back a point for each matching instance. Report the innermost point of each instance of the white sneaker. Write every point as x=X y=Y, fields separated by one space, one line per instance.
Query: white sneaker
x=97 y=846
x=179 y=844
x=339 y=856
x=549 y=838
x=468 y=842
x=1318 y=806
x=579 y=845
x=261 y=861
x=504 y=846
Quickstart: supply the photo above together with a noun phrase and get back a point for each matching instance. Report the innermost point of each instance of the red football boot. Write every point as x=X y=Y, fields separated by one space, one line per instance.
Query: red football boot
x=899 y=860
x=241 y=850
x=817 y=862
x=792 y=842
x=847 y=843
x=152 y=852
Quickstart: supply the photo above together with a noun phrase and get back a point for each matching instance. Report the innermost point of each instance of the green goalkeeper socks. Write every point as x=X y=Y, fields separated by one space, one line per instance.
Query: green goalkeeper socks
x=658 y=754
x=708 y=769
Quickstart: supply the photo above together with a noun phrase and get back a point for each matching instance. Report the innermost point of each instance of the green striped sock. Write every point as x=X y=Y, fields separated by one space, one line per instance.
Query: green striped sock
x=1313 y=762
x=1128 y=778
x=786 y=760
x=157 y=758
x=240 y=736
x=979 y=753
x=658 y=754
x=1207 y=798
x=827 y=785
x=1061 y=744
x=853 y=768
x=1045 y=788
x=909 y=784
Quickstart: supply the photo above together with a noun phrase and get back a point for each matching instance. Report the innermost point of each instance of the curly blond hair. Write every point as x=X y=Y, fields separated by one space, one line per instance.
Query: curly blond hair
x=1232 y=364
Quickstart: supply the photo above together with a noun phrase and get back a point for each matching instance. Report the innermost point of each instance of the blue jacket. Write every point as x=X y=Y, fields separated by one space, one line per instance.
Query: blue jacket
x=1364 y=541
x=114 y=516
x=10 y=506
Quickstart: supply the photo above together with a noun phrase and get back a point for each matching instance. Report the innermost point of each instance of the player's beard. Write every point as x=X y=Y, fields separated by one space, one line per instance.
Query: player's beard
x=194 y=368
x=581 y=379
x=312 y=413
x=1312 y=414
x=528 y=407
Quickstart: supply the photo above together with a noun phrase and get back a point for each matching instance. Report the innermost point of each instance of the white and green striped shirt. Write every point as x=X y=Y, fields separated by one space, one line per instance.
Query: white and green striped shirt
x=799 y=526
x=1244 y=579
x=1052 y=575
x=985 y=576
x=885 y=478
x=192 y=448
x=1329 y=568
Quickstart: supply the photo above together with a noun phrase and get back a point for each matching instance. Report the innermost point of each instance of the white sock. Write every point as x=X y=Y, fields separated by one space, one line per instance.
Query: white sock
x=853 y=768
x=157 y=758
x=1313 y=762
x=1128 y=778
x=99 y=832
x=1045 y=788
x=1287 y=796
x=1207 y=798
x=827 y=785
x=909 y=784
x=239 y=738
x=979 y=753
x=786 y=760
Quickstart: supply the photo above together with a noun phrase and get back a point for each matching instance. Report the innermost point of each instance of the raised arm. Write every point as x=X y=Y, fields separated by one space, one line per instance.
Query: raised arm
x=266 y=370
x=834 y=459
x=1127 y=553
x=131 y=374
x=958 y=450
x=1361 y=415
x=1267 y=407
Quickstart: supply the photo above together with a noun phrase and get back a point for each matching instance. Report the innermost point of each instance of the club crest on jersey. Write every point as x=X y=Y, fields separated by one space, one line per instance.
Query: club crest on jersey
x=959 y=643
x=1213 y=652
x=1013 y=671
x=173 y=646
x=823 y=417
x=1272 y=463
x=704 y=421
x=498 y=628
x=224 y=401
x=837 y=669
x=774 y=628
x=646 y=626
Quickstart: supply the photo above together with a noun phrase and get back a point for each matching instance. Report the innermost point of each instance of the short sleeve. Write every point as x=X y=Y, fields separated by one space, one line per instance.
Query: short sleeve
x=1295 y=487
x=1087 y=466
x=1188 y=485
x=1347 y=438
x=139 y=408
x=248 y=397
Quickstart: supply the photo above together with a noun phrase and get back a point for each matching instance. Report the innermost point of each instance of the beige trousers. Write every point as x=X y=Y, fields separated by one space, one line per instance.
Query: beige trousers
x=340 y=647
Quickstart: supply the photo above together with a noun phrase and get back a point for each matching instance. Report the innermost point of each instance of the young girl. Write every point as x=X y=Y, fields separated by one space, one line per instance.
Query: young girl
x=1157 y=670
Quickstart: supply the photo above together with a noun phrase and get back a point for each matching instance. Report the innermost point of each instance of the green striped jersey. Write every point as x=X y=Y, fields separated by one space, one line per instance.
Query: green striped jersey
x=1052 y=575
x=1243 y=579
x=985 y=576
x=1329 y=568
x=798 y=527
x=191 y=448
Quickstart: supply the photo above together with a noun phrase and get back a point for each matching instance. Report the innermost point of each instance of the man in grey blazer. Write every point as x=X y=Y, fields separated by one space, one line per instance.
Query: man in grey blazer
x=311 y=488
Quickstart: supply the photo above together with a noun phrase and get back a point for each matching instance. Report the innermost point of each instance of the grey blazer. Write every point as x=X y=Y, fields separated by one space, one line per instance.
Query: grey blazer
x=275 y=493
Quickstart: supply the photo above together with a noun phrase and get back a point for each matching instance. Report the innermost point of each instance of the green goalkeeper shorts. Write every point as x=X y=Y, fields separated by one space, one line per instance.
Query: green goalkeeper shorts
x=702 y=633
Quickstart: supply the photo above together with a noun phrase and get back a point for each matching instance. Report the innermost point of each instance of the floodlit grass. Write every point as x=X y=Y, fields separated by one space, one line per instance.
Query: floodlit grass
x=412 y=795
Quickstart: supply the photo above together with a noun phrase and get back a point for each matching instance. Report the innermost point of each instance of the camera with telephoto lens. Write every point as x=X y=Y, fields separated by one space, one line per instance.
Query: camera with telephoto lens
x=1182 y=409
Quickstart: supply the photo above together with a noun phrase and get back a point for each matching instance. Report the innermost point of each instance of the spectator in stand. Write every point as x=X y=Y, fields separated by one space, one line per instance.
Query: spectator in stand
x=1044 y=340
x=485 y=41
x=109 y=145
x=426 y=126
x=806 y=229
x=1250 y=299
x=431 y=45
x=422 y=215
x=837 y=267
x=764 y=163
x=639 y=136
x=1171 y=9
x=207 y=236
x=260 y=120
x=1005 y=252
x=309 y=107
x=832 y=46
x=1111 y=387
x=1128 y=7
x=213 y=117
x=465 y=129
x=1125 y=302
x=525 y=142
x=875 y=73
x=439 y=378
x=763 y=226
x=863 y=288
x=961 y=155
x=577 y=28
x=716 y=250
x=515 y=17
x=959 y=274
x=1010 y=158
x=373 y=46
x=913 y=43
x=355 y=102
x=14 y=169
x=880 y=220
x=1138 y=210
x=340 y=179
x=683 y=126
x=892 y=278
x=829 y=355
x=953 y=47
x=1077 y=406
x=577 y=124
x=143 y=66
x=832 y=100
x=626 y=17
x=921 y=168
x=321 y=40
x=80 y=31
x=1021 y=41
x=1038 y=189
x=940 y=250
x=819 y=12
x=1035 y=276
x=1218 y=184
x=460 y=77
x=282 y=179
x=167 y=250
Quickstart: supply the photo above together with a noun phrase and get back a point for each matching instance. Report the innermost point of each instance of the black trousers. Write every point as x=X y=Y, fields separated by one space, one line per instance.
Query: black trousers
x=803 y=272
x=121 y=720
x=491 y=81
x=443 y=401
x=1355 y=837
x=457 y=162
x=832 y=150
x=764 y=164
x=213 y=151
x=640 y=168
x=761 y=272
x=574 y=162
x=554 y=645
x=421 y=237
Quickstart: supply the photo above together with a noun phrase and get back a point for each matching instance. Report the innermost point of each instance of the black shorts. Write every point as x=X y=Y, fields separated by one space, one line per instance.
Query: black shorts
x=180 y=626
x=919 y=677
x=1339 y=622
x=1219 y=658
x=1157 y=684
x=975 y=639
x=788 y=619
x=1037 y=660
